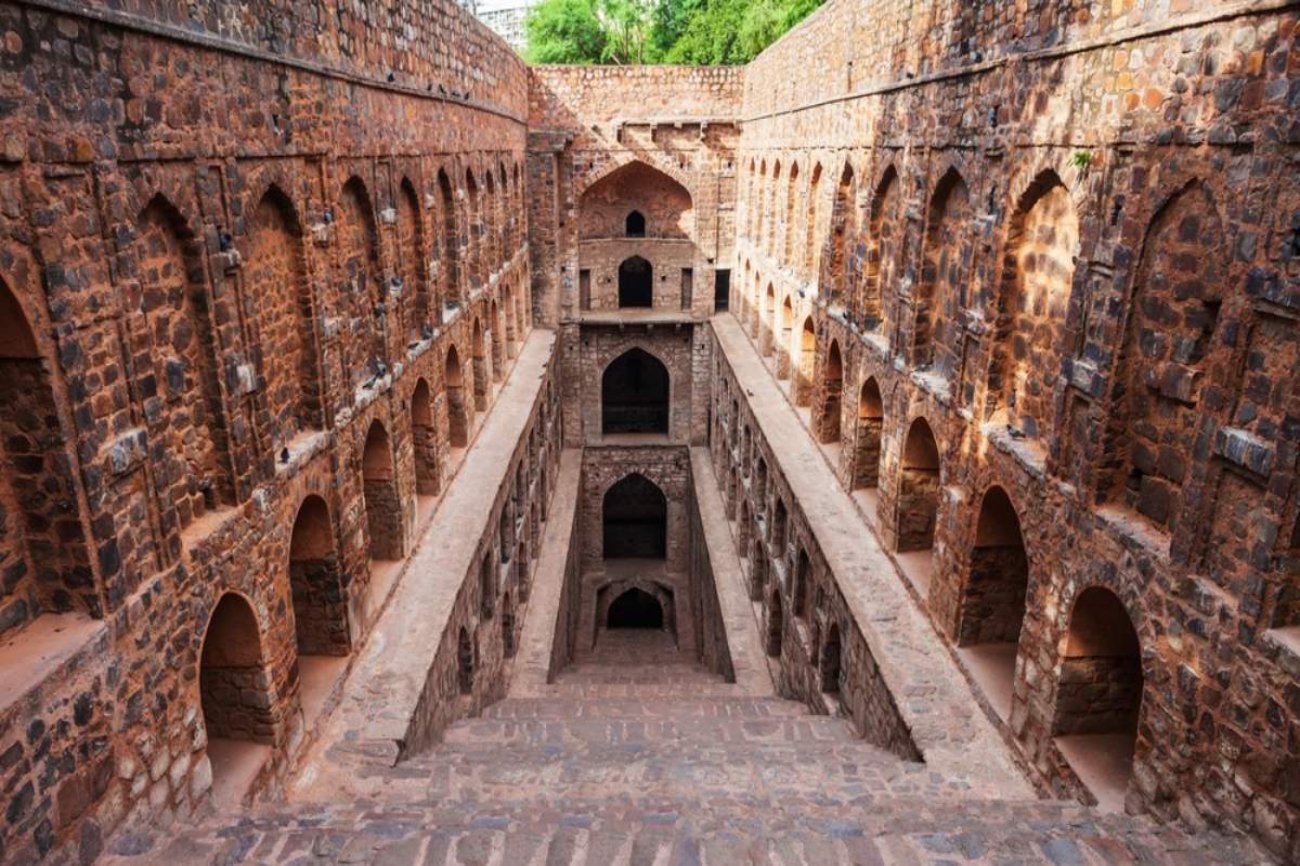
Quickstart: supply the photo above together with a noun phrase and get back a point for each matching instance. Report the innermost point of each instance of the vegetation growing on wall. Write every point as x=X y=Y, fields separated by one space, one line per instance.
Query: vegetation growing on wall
x=659 y=31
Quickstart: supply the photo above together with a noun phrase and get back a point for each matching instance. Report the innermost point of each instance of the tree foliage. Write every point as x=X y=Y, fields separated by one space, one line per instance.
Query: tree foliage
x=659 y=31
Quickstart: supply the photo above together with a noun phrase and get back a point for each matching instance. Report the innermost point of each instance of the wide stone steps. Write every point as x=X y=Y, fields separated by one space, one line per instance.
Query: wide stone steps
x=644 y=833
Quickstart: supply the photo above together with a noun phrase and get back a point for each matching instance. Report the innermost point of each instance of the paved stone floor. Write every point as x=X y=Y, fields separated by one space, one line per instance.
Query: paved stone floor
x=639 y=757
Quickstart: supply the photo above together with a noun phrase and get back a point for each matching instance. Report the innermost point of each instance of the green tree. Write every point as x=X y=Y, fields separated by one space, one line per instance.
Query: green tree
x=565 y=31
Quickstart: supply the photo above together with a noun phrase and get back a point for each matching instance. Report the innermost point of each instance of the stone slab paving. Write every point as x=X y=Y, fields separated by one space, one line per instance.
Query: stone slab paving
x=946 y=721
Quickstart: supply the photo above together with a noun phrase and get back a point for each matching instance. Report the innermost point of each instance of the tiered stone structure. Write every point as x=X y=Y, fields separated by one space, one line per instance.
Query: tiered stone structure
x=939 y=370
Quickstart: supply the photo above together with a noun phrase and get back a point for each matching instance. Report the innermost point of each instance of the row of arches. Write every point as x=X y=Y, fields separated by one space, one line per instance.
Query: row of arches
x=1160 y=367
x=1098 y=671
x=244 y=693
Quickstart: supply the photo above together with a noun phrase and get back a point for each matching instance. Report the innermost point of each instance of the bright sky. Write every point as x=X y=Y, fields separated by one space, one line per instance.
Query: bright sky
x=489 y=5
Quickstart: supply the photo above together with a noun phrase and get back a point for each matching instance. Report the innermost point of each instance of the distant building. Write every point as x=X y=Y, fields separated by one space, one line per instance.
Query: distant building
x=508 y=23
x=470 y=6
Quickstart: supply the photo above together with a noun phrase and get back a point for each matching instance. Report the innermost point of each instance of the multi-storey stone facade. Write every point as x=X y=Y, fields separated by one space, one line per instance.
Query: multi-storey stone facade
x=1033 y=275
x=301 y=302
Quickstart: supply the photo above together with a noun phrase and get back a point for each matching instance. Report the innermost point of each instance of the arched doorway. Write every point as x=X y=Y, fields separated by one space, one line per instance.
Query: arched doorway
x=828 y=665
x=832 y=385
x=425 y=441
x=382 y=501
x=458 y=412
x=786 y=336
x=634 y=394
x=482 y=376
x=635 y=608
x=803 y=383
x=871 y=422
x=465 y=659
x=993 y=600
x=634 y=518
x=320 y=609
x=918 y=489
x=769 y=321
x=1099 y=695
x=496 y=338
x=635 y=283
x=775 y=623
x=239 y=715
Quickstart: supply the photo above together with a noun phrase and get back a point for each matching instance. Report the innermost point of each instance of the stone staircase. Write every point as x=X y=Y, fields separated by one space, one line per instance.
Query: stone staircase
x=637 y=756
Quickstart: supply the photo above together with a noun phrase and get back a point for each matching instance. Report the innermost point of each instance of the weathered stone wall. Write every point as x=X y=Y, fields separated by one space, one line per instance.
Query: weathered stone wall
x=706 y=607
x=234 y=242
x=618 y=138
x=1064 y=237
x=795 y=593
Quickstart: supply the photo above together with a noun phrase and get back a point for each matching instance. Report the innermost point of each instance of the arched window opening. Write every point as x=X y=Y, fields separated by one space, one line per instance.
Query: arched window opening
x=635 y=283
x=450 y=242
x=508 y=643
x=780 y=519
x=482 y=376
x=458 y=410
x=276 y=274
x=234 y=692
x=634 y=225
x=362 y=272
x=945 y=255
x=784 y=338
x=465 y=662
x=487 y=586
x=775 y=624
x=918 y=489
x=474 y=235
x=1099 y=696
x=382 y=501
x=635 y=608
x=828 y=665
x=634 y=394
x=424 y=433
x=802 y=578
x=769 y=322
x=194 y=478
x=871 y=424
x=831 y=395
x=494 y=335
x=634 y=518
x=320 y=609
x=411 y=256
x=1163 y=368
x=803 y=383
x=993 y=599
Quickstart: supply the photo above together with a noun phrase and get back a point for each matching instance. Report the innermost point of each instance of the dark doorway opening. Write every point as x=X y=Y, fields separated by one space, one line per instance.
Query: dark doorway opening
x=635 y=520
x=635 y=224
x=635 y=283
x=634 y=394
x=636 y=608
x=721 y=290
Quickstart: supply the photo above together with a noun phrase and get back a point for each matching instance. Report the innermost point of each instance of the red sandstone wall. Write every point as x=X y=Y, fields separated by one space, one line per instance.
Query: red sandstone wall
x=1132 y=314
x=221 y=217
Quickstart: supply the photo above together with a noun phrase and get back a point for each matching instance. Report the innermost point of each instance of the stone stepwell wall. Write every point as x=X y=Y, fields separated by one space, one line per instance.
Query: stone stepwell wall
x=1076 y=221
x=219 y=215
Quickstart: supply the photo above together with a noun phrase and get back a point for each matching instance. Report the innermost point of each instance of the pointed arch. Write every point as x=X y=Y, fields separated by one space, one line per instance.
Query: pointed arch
x=832 y=386
x=1037 y=276
x=320 y=608
x=362 y=274
x=871 y=423
x=917 y=507
x=945 y=259
x=803 y=383
x=883 y=238
x=635 y=389
x=424 y=436
x=459 y=410
x=634 y=519
x=275 y=274
x=451 y=244
x=194 y=476
x=411 y=262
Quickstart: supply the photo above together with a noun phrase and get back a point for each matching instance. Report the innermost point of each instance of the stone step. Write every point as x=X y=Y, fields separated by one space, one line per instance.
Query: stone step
x=629 y=708
x=677 y=732
x=907 y=830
